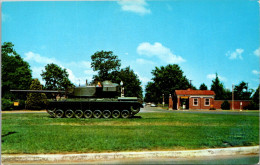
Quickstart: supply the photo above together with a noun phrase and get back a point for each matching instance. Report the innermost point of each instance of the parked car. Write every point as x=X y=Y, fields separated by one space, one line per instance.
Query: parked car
x=153 y=105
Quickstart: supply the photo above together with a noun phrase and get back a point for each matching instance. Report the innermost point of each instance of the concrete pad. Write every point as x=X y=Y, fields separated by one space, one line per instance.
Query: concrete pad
x=55 y=158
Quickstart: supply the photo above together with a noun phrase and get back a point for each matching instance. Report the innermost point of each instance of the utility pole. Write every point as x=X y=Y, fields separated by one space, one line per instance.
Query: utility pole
x=232 y=96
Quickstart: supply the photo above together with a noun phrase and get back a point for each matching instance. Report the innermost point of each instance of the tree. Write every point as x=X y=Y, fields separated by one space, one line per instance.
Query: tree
x=131 y=82
x=150 y=95
x=55 y=77
x=16 y=73
x=108 y=66
x=218 y=88
x=255 y=98
x=254 y=104
x=203 y=87
x=241 y=92
x=166 y=80
x=104 y=62
x=36 y=100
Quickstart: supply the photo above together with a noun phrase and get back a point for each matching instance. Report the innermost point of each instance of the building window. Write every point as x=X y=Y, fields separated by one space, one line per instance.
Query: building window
x=195 y=102
x=207 y=101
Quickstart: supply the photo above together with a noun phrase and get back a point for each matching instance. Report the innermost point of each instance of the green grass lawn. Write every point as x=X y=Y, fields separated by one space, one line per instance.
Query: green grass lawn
x=38 y=133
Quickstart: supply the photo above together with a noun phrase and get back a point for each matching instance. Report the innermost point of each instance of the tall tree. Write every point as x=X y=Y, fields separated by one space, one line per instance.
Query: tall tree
x=16 y=73
x=254 y=104
x=166 y=80
x=36 y=101
x=55 y=77
x=241 y=91
x=203 y=87
x=104 y=62
x=131 y=82
x=218 y=88
x=255 y=100
x=150 y=95
x=255 y=97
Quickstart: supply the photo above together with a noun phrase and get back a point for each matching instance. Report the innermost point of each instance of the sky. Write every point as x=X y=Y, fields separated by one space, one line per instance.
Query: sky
x=203 y=37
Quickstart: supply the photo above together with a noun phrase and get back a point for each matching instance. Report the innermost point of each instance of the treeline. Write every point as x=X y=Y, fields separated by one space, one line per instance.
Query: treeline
x=167 y=79
x=16 y=74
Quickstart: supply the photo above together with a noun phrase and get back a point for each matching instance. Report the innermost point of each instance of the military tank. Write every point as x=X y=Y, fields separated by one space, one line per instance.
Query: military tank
x=90 y=101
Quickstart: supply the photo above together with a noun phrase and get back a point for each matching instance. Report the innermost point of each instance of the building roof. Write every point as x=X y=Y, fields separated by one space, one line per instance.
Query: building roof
x=194 y=92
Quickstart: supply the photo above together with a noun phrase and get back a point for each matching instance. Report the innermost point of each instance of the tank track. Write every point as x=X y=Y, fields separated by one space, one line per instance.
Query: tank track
x=106 y=113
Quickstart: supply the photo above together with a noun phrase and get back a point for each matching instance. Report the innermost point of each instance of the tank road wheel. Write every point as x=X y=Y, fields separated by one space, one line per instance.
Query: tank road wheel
x=135 y=110
x=59 y=113
x=51 y=112
x=125 y=114
x=79 y=113
x=97 y=114
x=106 y=114
x=88 y=114
x=116 y=114
x=69 y=113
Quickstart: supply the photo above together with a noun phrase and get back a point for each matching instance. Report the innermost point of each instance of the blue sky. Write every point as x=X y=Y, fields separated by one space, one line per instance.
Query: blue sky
x=203 y=36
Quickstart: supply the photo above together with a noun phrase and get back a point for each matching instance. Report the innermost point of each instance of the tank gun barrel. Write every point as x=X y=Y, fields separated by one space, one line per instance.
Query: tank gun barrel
x=38 y=91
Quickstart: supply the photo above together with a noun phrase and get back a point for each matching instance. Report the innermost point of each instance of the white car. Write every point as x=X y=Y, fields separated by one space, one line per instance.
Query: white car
x=153 y=105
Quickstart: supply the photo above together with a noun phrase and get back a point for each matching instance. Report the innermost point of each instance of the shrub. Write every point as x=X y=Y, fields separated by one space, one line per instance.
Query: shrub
x=225 y=105
x=7 y=104
x=36 y=101
x=252 y=106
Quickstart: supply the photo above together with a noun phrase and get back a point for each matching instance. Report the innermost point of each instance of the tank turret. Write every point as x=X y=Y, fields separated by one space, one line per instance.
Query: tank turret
x=99 y=100
x=106 y=89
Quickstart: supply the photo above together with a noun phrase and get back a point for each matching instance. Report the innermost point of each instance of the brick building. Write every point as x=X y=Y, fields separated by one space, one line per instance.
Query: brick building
x=193 y=99
x=201 y=99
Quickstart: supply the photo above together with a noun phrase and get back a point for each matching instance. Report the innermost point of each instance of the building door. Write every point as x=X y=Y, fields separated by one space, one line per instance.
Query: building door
x=184 y=102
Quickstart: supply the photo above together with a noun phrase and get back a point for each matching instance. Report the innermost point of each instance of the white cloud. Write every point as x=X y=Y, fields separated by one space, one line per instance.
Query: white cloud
x=160 y=51
x=136 y=6
x=36 y=73
x=81 y=65
x=78 y=80
x=89 y=72
x=257 y=52
x=75 y=80
x=143 y=79
x=143 y=61
x=30 y=56
x=213 y=76
x=237 y=54
x=256 y=72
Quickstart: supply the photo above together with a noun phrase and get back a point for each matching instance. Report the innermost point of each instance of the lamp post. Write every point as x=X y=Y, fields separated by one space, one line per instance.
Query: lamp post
x=122 y=89
x=163 y=100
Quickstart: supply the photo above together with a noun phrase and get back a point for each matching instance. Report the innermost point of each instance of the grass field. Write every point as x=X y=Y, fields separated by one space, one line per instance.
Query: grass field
x=38 y=133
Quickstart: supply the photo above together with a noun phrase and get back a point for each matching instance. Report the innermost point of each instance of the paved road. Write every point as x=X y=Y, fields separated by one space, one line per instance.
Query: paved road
x=148 y=109
x=242 y=159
